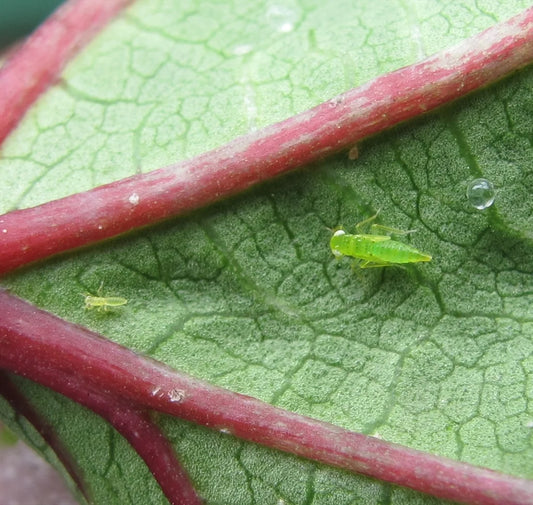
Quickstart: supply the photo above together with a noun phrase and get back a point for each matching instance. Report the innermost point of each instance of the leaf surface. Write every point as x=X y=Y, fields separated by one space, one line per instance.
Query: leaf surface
x=246 y=293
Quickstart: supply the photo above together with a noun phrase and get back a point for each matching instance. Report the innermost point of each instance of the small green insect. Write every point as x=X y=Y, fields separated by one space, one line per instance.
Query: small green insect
x=372 y=250
x=103 y=302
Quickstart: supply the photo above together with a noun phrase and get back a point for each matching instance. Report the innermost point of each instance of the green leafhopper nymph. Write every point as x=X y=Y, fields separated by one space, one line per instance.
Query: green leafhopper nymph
x=375 y=250
x=103 y=302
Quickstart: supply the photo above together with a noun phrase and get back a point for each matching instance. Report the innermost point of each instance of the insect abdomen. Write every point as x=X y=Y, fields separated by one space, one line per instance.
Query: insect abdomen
x=103 y=302
x=391 y=251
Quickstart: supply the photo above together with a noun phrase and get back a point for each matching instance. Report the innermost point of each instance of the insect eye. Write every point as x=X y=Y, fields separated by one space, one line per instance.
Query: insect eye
x=338 y=233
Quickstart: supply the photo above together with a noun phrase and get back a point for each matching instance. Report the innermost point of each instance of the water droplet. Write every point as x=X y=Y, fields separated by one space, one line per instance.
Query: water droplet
x=480 y=193
x=4 y=230
x=281 y=18
x=134 y=199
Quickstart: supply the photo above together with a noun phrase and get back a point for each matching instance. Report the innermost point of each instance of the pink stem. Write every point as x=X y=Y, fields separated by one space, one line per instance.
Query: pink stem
x=43 y=347
x=40 y=60
x=106 y=211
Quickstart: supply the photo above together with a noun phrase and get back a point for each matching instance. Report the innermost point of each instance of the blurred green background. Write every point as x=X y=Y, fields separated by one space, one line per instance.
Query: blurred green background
x=19 y=18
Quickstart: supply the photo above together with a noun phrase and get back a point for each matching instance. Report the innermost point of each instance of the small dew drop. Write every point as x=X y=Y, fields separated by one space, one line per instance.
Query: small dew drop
x=281 y=18
x=4 y=230
x=134 y=199
x=480 y=193
x=100 y=227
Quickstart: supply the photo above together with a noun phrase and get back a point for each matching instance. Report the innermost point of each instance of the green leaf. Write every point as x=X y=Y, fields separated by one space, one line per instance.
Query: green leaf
x=246 y=293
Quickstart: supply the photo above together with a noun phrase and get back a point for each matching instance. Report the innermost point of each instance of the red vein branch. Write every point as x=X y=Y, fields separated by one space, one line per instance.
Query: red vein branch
x=47 y=349
x=131 y=422
x=32 y=234
x=136 y=427
x=23 y=407
x=40 y=60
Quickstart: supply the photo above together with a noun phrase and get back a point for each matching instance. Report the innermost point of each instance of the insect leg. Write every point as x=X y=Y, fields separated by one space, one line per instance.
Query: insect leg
x=376 y=264
x=394 y=231
x=365 y=222
x=356 y=264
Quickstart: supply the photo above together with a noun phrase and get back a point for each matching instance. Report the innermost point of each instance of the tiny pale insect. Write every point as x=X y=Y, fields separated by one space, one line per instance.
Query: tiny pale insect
x=371 y=250
x=103 y=302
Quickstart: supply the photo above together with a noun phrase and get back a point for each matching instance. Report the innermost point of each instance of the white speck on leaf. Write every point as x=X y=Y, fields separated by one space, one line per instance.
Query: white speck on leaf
x=242 y=49
x=353 y=153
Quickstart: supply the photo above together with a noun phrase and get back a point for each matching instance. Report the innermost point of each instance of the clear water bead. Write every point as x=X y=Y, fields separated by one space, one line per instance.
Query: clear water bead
x=480 y=193
x=281 y=18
